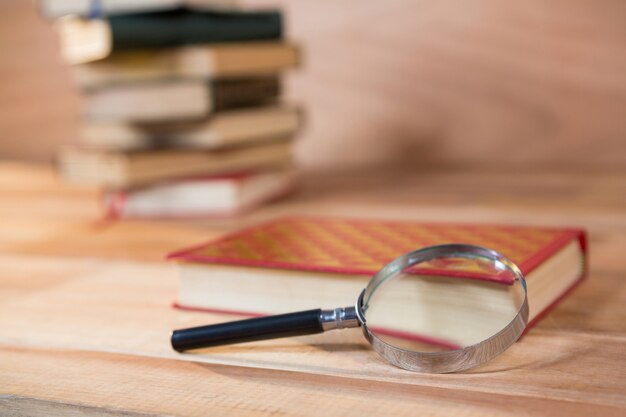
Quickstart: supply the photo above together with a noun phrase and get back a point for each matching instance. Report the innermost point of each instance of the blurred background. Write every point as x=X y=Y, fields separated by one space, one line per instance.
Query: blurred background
x=516 y=86
x=441 y=112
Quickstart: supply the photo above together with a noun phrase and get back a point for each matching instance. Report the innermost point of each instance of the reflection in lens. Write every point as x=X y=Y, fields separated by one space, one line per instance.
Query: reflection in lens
x=445 y=303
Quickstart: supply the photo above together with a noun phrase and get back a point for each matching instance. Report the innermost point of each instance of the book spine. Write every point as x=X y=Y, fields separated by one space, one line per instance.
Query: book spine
x=230 y=94
x=581 y=236
x=115 y=207
x=183 y=27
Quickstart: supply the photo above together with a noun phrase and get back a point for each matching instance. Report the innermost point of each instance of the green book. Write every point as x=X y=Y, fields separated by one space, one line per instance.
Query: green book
x=84 y=40
x=184 y=27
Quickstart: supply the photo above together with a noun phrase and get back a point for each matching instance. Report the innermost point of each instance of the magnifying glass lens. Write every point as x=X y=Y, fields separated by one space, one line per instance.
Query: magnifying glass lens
x=444 y=303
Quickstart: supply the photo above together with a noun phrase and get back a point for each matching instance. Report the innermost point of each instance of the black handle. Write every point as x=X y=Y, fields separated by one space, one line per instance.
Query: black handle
x=271 y=327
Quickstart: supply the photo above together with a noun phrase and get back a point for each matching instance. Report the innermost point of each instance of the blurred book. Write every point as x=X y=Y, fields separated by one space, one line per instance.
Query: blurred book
x=123 y=170
x=224 y=129
x=53 y=9
x=299 y=263
x=175 y=89
x=84 y=40
x=178 y=99
x=201 y=196
x=199 y=61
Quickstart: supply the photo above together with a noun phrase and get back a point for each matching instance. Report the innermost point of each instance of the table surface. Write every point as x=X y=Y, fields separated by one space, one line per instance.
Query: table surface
x=85 y=308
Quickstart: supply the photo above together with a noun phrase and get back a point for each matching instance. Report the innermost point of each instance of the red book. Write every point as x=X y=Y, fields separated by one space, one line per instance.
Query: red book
x=212 y=196
x=298 y=263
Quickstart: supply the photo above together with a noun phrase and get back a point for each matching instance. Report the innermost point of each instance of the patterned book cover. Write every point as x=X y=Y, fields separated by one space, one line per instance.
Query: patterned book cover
x=362 y=247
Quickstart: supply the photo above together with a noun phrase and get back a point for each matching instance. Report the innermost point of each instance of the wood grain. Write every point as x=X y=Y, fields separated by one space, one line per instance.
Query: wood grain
x=85 y=308
x=156 y=386
x=123 y=306
x=488 y=83
x=40 y=104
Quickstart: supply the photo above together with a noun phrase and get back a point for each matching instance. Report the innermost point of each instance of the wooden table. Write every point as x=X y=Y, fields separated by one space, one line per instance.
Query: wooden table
x=85 y=308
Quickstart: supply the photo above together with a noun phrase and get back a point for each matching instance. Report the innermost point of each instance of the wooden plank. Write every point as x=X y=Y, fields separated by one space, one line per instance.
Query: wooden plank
x=116 y=384
x=141 y=240
x=107 y=306
x=15 y=406
x=85 y=309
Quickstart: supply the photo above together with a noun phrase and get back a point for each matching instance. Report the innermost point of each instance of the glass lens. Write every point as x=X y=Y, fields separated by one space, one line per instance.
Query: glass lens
x=446 y=302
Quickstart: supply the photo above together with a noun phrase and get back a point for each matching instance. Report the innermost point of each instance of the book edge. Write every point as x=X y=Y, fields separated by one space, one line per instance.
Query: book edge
x=539 y=317
x=551 y=248
x=582 y=238
x=186 y=255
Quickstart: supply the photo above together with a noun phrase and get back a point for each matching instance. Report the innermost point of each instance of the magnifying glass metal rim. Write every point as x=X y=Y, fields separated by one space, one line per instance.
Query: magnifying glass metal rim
x=318 y=320
x=450 y=360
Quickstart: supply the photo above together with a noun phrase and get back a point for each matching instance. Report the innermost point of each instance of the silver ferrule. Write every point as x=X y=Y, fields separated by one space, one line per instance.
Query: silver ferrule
x=339 y=318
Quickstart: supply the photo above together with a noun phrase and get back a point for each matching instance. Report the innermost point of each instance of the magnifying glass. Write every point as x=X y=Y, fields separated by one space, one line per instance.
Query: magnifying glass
x=439 y=309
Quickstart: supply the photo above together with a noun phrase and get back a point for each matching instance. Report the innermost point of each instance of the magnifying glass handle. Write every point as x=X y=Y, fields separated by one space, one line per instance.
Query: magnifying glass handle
x=262 y=328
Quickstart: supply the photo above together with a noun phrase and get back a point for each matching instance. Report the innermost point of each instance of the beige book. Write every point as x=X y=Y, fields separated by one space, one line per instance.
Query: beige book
x=180 y=100
x=200 y=61
x=201 y=196
x=224 y=129
x=122 y=170
x=171 y=100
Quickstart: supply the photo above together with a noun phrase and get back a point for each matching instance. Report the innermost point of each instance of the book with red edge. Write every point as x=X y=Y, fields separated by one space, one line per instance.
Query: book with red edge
x=297 y=263
x=208 y=196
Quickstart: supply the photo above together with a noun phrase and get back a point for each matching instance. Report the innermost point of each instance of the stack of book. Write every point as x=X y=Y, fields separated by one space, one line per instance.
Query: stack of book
x=181 y=104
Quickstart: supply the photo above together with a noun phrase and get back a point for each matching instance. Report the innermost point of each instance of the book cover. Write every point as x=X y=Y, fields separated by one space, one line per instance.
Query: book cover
x=184 y=27
x=362 y=247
